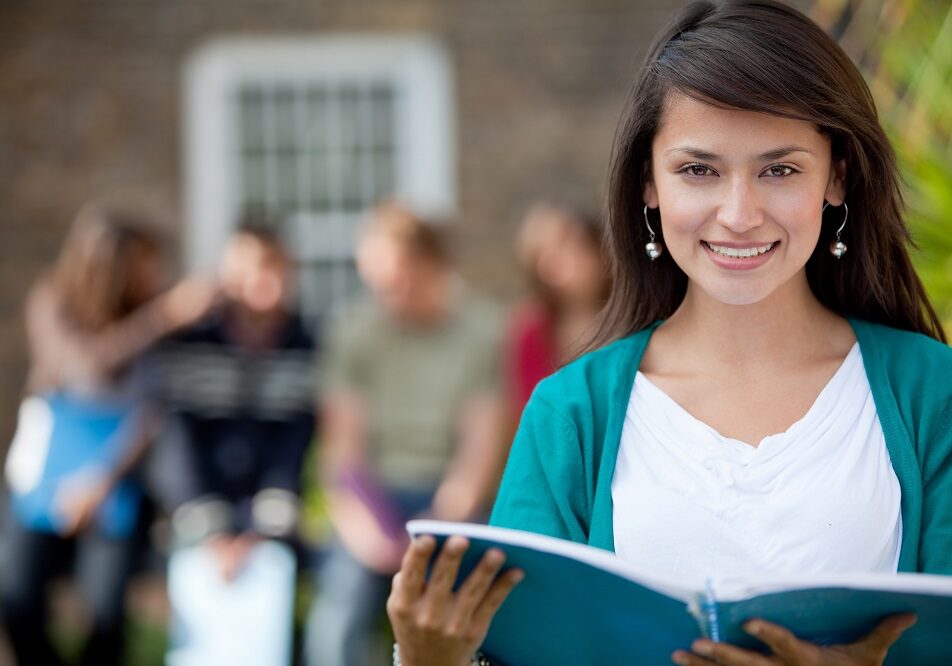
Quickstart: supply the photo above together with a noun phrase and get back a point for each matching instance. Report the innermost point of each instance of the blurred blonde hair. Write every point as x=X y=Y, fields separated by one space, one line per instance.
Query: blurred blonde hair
x=397 y=223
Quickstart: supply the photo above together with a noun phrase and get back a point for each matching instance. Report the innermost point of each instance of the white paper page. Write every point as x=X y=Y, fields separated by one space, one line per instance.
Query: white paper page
x=684 y=589
x=735 y=589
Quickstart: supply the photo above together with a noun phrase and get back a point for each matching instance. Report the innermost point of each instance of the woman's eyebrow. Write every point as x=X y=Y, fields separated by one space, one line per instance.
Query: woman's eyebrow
x=694 y=152
x=774 y=154
x=783 y=151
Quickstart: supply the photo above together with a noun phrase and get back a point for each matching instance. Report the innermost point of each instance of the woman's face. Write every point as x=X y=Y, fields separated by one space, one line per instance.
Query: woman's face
x=255 y=275
x=568 y=264
x=740 y=196
x=572 y=267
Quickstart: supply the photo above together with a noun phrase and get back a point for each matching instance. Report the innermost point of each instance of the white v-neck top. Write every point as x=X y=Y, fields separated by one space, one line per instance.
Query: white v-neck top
x=819 y=497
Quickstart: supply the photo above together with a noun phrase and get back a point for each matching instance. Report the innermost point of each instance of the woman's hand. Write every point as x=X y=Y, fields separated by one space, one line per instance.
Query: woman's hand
x=363 y=534
x=231 y=552
x=787 y=649
x=189 y=300
x=78 y=501
x=432 y=624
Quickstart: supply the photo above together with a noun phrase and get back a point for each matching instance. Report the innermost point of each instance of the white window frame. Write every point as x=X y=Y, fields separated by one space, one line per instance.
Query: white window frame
x=418 y=67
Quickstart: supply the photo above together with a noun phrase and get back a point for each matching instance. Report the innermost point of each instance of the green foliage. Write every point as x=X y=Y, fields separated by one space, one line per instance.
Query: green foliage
x=929 y=178
x=913 y=86
x=315 y=527
x=904 y=48
x=145 y=640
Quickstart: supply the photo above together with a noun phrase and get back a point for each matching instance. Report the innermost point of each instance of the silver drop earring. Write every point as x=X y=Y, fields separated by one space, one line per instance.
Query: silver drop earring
x=652 y=249
x=838 y=247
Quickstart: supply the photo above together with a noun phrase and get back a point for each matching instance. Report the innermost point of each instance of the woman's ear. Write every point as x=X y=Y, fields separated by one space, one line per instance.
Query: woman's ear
x=650 y=195
x=836 y=188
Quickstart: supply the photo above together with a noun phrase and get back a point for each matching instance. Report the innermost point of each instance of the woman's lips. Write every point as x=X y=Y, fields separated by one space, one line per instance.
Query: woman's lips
x=739 y=256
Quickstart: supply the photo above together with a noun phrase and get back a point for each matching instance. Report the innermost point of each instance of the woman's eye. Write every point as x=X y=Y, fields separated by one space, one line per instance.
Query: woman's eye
x=697 y=170
x=779 y=170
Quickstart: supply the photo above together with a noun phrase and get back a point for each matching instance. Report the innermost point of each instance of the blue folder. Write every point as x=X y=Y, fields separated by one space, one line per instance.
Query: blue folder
x=581 y=605
x=86 y=433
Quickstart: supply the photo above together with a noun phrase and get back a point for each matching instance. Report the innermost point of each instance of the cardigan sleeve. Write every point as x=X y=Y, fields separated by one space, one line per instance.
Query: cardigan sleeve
x=936 y=538
x=543 y=489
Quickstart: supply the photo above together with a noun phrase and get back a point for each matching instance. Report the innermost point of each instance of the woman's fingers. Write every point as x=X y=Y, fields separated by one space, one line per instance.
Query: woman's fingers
x=497 y=593
x=708 y=652
x=432 y=608
x=888 y=632
x=439 y=589
x=788 y=649
x=447 y=564
x=409 y=581
x=782 y=641
x=683 y=658
x=474 y=588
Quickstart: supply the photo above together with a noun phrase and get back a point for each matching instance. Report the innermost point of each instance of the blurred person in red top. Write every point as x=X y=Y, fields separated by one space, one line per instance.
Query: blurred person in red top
x=560 y=251
x=84 y=423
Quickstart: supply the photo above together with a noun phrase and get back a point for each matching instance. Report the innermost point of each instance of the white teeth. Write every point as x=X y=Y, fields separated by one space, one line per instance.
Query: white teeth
x=739 y=252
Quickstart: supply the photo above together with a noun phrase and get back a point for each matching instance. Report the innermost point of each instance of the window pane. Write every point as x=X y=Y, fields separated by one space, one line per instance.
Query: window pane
x=287 y=181
x=251 y=120
x=383 y=119
x=315 y=156
x=327 y=284
x=253 y=182
x=285 y=129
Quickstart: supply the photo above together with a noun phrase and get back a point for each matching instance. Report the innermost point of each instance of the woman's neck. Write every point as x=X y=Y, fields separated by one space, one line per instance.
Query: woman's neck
x=786 y=329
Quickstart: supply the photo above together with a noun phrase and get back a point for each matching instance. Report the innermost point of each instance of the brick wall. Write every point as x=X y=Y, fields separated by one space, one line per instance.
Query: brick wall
x=90 y=99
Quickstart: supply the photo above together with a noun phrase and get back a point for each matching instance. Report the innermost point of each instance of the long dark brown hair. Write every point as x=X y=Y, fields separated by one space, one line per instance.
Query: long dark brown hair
x=761 y=55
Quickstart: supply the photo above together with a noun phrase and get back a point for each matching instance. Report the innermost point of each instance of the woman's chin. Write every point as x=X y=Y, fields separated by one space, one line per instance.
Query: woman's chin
x=736 y=295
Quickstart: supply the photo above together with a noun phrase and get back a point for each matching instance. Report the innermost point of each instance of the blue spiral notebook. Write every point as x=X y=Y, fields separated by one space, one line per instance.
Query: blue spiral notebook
x=583 y=605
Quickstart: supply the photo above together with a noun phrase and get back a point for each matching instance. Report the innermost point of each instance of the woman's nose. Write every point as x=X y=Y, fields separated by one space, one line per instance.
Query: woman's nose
x=740 y=210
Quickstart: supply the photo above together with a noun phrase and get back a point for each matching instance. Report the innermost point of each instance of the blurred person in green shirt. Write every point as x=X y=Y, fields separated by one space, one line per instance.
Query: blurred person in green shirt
x=411 y=412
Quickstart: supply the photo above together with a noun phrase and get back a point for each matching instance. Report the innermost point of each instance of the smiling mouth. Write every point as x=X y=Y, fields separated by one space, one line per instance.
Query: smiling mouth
x=740 y=252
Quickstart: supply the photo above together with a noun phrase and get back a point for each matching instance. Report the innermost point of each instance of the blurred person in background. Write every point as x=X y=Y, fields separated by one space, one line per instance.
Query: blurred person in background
x=560 y=251
x=238 y=391
x=84 y=423
x=412 y=422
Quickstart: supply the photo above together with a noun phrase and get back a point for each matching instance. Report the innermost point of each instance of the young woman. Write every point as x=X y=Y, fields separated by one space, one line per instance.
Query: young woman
x=769 y=391
x=560 y=249
x=83 y=424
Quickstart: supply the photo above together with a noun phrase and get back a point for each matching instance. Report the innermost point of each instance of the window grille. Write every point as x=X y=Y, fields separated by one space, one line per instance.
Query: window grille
x=311 y=134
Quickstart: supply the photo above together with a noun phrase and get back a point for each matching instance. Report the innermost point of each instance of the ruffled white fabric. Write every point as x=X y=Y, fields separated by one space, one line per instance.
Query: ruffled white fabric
x=820 y=497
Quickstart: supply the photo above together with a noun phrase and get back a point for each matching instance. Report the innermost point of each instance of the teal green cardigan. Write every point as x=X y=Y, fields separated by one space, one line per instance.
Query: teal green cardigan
x=559 y=474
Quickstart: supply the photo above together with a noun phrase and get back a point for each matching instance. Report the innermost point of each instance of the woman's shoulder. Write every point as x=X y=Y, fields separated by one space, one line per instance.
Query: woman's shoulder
x=917 y=368
x=597 y=376
x=902 y=350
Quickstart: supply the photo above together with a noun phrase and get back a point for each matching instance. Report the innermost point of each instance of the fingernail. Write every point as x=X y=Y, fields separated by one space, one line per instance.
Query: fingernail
x=495 y=556
x=518 y=576
x=679 y=658
x=423 y=541
x=753 y=628
x=703 y=648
